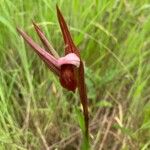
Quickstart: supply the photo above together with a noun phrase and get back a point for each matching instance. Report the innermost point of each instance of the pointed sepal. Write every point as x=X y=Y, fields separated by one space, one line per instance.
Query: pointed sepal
x=49 y=60
x=69 y=44
x=45 y=41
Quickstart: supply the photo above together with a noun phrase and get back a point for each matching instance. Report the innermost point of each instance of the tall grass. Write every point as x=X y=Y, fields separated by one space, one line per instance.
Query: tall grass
x=113 y=36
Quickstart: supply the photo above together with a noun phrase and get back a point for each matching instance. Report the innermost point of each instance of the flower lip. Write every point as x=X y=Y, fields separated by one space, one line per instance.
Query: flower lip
x=67 y=77
x=70 y=58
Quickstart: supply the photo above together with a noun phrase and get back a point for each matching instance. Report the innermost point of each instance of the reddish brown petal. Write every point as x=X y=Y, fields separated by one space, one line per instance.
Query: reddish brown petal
x=50 y=61
x=44 y=40
x=69 y=45
x=83 y=96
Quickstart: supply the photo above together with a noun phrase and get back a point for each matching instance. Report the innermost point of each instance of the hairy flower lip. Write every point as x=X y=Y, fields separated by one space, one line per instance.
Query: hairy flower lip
x=70 y=58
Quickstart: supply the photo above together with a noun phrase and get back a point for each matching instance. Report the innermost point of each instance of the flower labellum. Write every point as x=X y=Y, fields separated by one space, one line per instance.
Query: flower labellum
x=69 y=69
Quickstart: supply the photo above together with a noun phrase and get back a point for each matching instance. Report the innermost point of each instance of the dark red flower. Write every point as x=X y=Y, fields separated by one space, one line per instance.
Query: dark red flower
x=69 y=69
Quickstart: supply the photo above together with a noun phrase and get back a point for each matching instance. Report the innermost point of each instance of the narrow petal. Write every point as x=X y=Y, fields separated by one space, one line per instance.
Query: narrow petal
x=44 y=40
x=50 y=61
x=83 y=96
x=69 y=44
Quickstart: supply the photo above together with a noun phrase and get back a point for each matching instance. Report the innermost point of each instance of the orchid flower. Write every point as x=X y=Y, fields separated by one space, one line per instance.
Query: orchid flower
x=69 y=69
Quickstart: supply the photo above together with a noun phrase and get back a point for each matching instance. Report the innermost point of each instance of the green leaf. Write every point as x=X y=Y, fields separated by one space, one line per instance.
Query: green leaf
x=103 y=103
x=80 y=118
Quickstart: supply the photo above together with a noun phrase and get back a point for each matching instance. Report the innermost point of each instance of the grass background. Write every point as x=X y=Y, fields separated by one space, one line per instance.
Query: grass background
x=114 y=39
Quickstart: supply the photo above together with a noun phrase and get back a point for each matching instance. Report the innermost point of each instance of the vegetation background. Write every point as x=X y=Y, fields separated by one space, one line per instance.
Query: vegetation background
x=114 y=39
